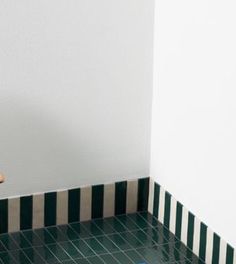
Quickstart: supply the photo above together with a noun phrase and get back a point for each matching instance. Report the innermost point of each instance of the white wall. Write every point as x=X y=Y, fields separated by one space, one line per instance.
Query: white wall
x=75 y=92
x=194 y=110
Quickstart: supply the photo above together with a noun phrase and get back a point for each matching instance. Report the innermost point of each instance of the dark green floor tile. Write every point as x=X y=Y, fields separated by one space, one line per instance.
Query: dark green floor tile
x=68 y=262
x=56 y=233
x=149 y=218
x=33 y=256
x=68 y=232
x=119 y=241
x=80 y=230
x=20 y=239
x=44 y=236
x=33 y=239
x=71 y=250
x=92 y=228
x=120 y=197
x=82 y=261
x=143 y=193
x=139 y=220
x=143 y=237
x=115 y=224
x=2 y=248
x=95 y=260
x=95 y=246
x=133 y=241
x=6 y=258
x=108 y=244
x=97 y=201
x=122 y=258
x=127 y=222
x=8 y=242
x=3 y=216
x=83 y=248
x=104 y=226
x=74 y=205
x=151 y=255
x=46 y=254
x=58 y=252
x=108 y=258
x=50 y=205
x=26 y=212
x=134 y=256
x=20 y=257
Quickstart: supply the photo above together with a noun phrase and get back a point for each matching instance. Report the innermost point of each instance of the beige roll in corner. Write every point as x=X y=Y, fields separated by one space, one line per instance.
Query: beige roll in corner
x=2 y=178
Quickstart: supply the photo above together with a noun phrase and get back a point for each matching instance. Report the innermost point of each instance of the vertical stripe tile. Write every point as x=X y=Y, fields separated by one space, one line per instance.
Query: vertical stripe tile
x=178 y=224
x=156 y=200
x=143 y=193
x=50 y=207
x=85 y=203
x=120 y=197
x=229 y=255
x=38 y=210
x=26 y=212
x=74 y=205
x=173 y=214
x=184 y=231
x=109 y=200
x=62 y=207
x=132 y=196
x=97 y=201
x=14 y=214
x=151 y=196
x=167 y=210
x=161 y=209
x=223 y=249
x=209 y=246
x=196 y=238
x=216 y=249
x=190 y=230
x=4 y=216
x=203 y=242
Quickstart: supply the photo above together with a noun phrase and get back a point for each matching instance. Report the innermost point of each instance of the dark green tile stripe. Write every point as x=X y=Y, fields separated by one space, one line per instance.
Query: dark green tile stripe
x=167 y=210
x=4 y=216
x=190 y=230
x=26 y=212
x=97 y=201
x=143 y=193
x=50 y=208
x=156 y=199
x=120 y=197
x=229 y=255
x=74 y=205
x=216 y=249
x=178 y=223
x=203 y=241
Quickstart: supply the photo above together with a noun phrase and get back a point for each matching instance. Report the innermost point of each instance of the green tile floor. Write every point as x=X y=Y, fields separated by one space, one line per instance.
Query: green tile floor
x=125 y=239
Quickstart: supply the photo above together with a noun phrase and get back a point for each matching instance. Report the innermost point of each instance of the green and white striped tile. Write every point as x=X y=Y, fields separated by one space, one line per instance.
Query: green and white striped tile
x=197 y=236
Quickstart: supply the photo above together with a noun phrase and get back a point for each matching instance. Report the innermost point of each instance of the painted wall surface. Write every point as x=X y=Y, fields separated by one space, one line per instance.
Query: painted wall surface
x=194 y=110
x=75 y=92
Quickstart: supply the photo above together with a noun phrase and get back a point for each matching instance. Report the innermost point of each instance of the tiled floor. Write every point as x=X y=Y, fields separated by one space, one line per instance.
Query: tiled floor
x=135 y=238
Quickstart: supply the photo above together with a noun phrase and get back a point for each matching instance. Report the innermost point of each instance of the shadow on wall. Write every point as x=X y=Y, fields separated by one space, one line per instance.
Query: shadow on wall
x=36 y=151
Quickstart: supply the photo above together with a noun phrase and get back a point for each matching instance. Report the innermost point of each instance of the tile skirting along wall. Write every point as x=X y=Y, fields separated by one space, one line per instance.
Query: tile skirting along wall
x=196 y=235
x=79 y=204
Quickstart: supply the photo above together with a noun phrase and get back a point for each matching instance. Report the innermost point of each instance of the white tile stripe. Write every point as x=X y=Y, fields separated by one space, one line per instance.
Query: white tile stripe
x=14 y=214
x=234 y=256
x=161 y=205
x=184 y=231
x=151 y=196
x=209 y=246
x=38 y=210
x=196 y=237
x=132 y=196
x=173 y=214
x=62 y=207
x=85 y=203
x=223 y=248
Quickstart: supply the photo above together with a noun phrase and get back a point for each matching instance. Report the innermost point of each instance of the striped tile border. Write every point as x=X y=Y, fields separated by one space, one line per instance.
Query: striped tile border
x=79 y=204
x=196 y=235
